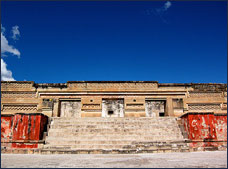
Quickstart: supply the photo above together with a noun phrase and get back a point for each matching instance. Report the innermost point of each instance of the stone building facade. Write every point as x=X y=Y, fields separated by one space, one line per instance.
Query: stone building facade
x=122 y=117
x=112 y=98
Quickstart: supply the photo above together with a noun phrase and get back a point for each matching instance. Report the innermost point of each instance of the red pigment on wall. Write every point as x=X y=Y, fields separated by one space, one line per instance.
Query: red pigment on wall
x=24 y=145
x=221 y=127
x=205 y=129
x=21 y=128
x=6 y=123
x=26 y=127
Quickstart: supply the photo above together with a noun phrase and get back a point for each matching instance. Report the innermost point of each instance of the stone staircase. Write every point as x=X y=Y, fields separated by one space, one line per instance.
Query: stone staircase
x=114 y=135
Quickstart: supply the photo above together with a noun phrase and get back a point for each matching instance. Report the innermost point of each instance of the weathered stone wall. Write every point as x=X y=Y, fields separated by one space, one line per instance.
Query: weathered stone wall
x=29 y=97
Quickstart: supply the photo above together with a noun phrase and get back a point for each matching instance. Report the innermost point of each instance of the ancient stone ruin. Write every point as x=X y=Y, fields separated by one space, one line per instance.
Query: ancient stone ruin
x=112 y=117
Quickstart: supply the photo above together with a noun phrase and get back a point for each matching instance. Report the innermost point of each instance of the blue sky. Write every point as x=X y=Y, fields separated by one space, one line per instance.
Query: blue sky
x=165 y=41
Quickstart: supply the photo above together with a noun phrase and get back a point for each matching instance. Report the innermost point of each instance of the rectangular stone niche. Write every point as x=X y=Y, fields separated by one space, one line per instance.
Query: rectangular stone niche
x=155 y=108
x=112 y=108
x=70 y=108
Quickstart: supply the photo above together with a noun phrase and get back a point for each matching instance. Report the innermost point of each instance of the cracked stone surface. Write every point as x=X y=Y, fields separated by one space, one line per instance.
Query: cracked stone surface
x=207 y=159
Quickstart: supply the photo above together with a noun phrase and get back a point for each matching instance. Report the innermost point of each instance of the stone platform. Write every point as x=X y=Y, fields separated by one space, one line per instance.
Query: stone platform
x=111 y=135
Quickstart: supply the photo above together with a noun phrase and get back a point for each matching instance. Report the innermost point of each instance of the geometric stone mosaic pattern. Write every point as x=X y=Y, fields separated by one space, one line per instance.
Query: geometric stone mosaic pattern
x=19 y=107
x=193 y=94
x=114 y=85
x=16 y=85
x=18 y=94
x=204 y=106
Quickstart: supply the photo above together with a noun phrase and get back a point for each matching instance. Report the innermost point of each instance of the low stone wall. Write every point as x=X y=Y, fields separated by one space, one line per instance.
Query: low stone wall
x=206 y=130
x=23 y=130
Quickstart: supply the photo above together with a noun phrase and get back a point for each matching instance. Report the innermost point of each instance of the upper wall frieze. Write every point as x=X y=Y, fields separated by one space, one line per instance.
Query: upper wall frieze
x=17 y=86
x=112 y=86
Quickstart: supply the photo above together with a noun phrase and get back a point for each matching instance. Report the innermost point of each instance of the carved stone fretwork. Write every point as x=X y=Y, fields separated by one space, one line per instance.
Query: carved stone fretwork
x=135 y=106
x=204 y=107
x=113 y=86
x=201 y=87
x=91 y=106
x=225 y=94
x=16 y=85
x=19 y=107
x=6 y=94
x=201 y=94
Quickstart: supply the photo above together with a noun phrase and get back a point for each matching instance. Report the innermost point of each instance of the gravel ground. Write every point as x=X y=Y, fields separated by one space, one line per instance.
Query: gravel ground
x=206 y=159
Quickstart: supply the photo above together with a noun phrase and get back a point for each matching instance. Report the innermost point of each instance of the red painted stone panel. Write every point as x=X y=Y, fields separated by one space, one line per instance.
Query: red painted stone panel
x=26 y=127
x=6 y=124
x=205 y=126
x=29 y=127
x=201 y=127
x=221 y=127
x=20 y=129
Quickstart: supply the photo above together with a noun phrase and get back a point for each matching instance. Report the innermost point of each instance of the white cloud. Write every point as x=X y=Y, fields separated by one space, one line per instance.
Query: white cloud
x=167 y=5
x=6 y=48
x=3 y=29
x=164 y=8
x=6 y=75
x=16 y=32
x=160 y=11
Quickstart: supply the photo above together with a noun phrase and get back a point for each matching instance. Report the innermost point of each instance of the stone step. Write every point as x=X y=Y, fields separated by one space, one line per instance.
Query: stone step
x=113 y=118
x=108 y=146
x=101 y=121
x=155 y=124
x=114 y=122
x=111 y=121
x=115 y=135
x=119 y=146
x=89 y=151
x=87 y=146
x=112 y=134
x=90 y=142
x=112 y=151
x=146 y=130
x=73 y=140
x=115 y=130
x=154 y=127
x=103 y=140
x=86 y=151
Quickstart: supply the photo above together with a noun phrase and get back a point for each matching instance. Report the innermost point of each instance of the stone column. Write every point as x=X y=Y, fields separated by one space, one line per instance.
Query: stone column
x=56 y=108
x=169 y=107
